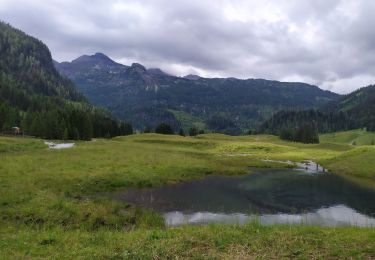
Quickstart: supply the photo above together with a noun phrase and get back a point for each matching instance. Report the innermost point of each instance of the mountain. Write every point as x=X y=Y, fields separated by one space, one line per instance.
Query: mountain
x=89 y=64
x=360 y=105
x=27 y=63
x=157 y=72
x=35 y=97
x=192 y=77
x=352 y=111
x=146 y=97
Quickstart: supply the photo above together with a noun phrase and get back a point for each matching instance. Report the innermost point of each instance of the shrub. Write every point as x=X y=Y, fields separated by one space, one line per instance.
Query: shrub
x=164 y=129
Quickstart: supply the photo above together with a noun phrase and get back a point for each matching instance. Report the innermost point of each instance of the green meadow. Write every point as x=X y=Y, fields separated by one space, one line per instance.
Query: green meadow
x=52 y=202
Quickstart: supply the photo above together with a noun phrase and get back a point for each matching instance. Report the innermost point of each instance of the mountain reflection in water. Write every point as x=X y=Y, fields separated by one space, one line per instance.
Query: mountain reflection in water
x=269 y=196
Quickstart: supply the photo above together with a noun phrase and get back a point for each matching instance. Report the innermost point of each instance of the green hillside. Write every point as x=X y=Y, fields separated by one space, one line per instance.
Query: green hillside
x=37 y=99
x=360 y=105
x=353 y=137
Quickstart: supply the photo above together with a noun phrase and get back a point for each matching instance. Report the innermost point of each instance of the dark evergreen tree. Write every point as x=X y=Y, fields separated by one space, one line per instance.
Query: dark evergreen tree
x=181 y=132
x=65 y=134
x=126 y=129
x=147 y=130
x=287 y=134
x=86 y=129
x=75 y=134
x=306 y=133
x=193 y=131
x=164 y=129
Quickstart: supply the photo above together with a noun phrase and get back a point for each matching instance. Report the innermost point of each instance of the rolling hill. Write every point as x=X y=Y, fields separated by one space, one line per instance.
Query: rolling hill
x=352 y=137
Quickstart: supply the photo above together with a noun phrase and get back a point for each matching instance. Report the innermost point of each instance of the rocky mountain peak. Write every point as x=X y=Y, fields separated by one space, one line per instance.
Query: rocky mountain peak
x=138 y=67
x=192 y=77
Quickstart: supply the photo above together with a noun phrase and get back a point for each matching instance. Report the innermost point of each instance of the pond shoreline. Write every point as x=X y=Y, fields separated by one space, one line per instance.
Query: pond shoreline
x=309 y=185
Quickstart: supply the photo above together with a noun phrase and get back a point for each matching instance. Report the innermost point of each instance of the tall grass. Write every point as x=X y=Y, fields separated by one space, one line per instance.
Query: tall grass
x=51 y=203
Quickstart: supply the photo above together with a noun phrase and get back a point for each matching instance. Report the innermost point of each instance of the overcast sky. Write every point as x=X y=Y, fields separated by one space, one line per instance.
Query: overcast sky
x=330 y=43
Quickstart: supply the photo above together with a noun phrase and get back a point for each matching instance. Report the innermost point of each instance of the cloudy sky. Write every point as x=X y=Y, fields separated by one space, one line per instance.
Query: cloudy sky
x=330 y=43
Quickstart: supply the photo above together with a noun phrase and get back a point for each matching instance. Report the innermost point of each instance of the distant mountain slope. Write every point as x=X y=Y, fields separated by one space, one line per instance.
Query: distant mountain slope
x=35 y=97
x=360 y=104
x=89 y=64
x=147 y=98
x=355 y=110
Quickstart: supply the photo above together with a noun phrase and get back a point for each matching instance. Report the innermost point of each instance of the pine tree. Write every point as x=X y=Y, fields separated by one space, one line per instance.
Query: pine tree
x=147 y=130
x=75 y=134
x=125 y=129
x=181 y=132
x=164 y=128
x=65 y=134
x=86 y=133
x=193 y=131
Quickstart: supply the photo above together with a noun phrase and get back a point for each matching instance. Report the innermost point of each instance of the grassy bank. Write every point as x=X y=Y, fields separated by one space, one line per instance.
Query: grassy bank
x=206 y=242
x=47 y=197
x=353 y=137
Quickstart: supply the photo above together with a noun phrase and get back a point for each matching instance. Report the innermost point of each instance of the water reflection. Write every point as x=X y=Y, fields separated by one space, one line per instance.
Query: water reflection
x=272 y=196
x=339 y=215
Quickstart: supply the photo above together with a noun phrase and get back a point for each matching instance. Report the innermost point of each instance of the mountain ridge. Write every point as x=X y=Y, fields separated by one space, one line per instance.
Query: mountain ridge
x=131 y=92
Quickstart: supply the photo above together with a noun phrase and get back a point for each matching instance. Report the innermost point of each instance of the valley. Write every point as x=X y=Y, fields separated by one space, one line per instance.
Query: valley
x=54 y=202
x=100 y=160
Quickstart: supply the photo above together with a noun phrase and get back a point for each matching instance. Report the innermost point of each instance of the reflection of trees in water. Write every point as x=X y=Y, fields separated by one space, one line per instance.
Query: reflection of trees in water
x=262 y=193
x=293 y=193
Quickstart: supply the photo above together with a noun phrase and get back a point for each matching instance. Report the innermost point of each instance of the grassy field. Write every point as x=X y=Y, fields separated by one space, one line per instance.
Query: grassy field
x=51 y=203
x=353 y=137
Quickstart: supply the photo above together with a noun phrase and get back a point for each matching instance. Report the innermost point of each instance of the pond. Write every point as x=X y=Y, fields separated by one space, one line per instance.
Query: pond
x=53 y=145
x=288 y=196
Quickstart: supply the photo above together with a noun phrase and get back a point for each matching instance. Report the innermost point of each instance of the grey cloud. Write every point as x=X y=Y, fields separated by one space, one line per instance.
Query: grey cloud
x=325 y=42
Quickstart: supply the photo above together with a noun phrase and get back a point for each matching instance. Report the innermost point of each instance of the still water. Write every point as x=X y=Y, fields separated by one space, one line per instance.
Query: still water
x=302 y=196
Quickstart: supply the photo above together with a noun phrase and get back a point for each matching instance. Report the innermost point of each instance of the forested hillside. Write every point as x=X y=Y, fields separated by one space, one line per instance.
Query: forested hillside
x=147 y=97
x=36 y=98
x=352 y=111
x=324 y=122
x=359 y=105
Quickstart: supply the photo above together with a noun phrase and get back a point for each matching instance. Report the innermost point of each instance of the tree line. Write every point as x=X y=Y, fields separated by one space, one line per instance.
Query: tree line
x=37 y=99
x=167 y=129
x=62 y=123
x=304 y=125
x=306 y=133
